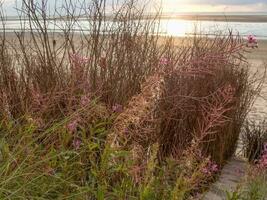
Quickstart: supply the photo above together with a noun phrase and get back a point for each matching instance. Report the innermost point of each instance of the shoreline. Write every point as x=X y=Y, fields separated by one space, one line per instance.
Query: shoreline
x=256 y=18
x=221 y=18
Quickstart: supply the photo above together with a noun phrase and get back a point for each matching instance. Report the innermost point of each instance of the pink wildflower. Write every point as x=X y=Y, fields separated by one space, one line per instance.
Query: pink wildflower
x=206 y=170
x=265 y=147
x=252 y=39
x=117 y=108
x=263 y=161
x=127 y=131
x=72 y=126
x=76 y=143
x=77 y=59
x=85 y=100
x=210 y=168
x=214 y=167
x=164 y=61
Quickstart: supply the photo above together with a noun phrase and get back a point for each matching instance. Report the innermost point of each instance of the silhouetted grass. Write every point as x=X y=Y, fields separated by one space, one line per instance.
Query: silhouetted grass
x=254 y=137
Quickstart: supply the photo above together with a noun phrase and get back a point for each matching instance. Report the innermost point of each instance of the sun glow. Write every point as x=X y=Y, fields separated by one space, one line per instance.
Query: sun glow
x=176 y=27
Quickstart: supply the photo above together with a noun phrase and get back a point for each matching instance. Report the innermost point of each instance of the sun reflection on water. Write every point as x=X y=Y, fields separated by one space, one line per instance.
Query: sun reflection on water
x=181 y=28
x=178 y=27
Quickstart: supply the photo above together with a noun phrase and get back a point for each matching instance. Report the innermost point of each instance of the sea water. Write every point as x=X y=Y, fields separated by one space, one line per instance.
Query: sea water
x=178 y=27
x=170 y=27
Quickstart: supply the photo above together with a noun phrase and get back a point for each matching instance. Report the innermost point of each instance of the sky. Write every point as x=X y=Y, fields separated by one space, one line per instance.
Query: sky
x=215 y=5
x=177 y=6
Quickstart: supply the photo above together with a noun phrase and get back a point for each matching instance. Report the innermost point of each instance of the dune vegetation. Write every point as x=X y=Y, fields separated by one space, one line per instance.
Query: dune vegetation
x=118 y=111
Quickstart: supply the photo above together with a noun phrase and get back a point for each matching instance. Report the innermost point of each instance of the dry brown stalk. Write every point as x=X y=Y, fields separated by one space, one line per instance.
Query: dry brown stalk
x=137 y=123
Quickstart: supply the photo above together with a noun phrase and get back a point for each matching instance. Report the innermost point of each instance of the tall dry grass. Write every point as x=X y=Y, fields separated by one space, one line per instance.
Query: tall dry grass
x=207 y=97
x=201 y=99
x=254 y=138
x=56 y=69
x=116 y=111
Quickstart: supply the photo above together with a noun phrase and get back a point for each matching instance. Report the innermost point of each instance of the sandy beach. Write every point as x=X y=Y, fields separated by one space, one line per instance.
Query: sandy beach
x=257 y=58
x=258 y=54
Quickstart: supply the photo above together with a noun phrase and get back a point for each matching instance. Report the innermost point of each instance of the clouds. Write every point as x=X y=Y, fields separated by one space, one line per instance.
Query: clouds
x=226 y=2
x=216 y=2
x=177 y=5
x=215 y=5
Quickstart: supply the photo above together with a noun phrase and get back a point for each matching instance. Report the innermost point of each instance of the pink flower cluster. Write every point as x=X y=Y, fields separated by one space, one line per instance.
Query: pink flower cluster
x=252 y=39
x=72 y=126
x=77 y=143
x=78 y=71
x=263 y=160
x=117 y=108
x=85 y=100
x=77 y=59
x=164 y=61
x=210 y=168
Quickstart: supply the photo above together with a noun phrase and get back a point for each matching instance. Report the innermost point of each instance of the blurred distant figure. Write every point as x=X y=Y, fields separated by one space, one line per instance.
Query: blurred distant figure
x=252 y=41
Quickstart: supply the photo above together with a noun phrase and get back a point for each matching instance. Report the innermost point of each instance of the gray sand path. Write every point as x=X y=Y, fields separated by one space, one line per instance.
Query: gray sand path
x=231 y=176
